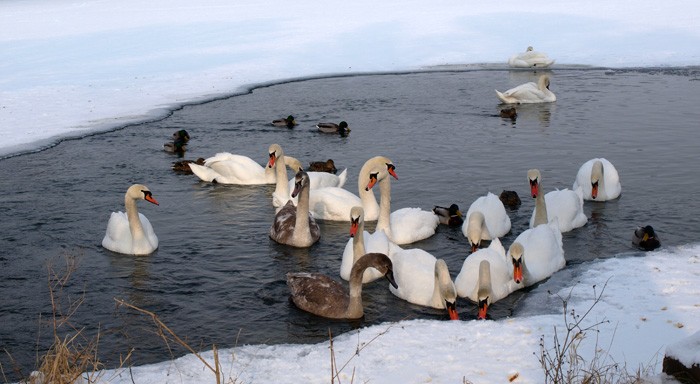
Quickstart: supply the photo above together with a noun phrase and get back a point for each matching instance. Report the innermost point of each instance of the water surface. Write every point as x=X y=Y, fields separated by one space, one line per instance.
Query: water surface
x=218 y=278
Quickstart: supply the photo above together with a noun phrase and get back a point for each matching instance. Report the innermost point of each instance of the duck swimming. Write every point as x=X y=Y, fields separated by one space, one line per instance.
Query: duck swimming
x=289 y=122
x=179 y=143
x=341 y=128
x=450 y=216
x=645 y=238
x=323 y=166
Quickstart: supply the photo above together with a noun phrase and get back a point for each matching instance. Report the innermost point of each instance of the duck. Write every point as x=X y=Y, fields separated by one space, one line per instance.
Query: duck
x=510 y=199
x=183 y=166
x=486 y=277
x=284 y=188
x=450 y=216
x=323 y=296
x=529 y=93
x=323 y=166
x=405 y=225
x=341 y=128
x=564 y=206
x=362 y=242
x=530 y=59
x=645 y=238
x=179 y=143
x=319 y=179
x=288 y=122
x=486 y=220
x=509 y=113
x=599 y=180
x=335 y=203
x=131 y=233
x=423 y=280
x=536 y=254
x=293 y=225
x=227 y=168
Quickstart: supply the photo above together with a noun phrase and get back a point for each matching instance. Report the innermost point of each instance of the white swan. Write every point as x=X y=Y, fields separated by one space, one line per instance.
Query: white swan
x=563 y=206
x=599 y=180
x=530 y=59
x=486 y=219
x=362 y=242
x=293 y=225
x=528 y=93
x=131 y=233
x=227 y=168
x=536 y=254
x=486 y=277
x=334 y=203
x=405 y=225
x=319 y=294
x=423 y=280
x=284 y=187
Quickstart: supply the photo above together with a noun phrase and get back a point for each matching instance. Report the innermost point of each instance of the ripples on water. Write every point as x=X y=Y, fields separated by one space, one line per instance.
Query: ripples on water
x=217 y=278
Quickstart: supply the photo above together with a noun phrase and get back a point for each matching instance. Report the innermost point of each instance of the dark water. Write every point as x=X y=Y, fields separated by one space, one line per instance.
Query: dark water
x=217 y=278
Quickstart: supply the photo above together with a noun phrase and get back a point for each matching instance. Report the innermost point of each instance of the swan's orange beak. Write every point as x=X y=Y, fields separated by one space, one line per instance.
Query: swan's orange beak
x=594 y=190
x=271 y=163
x=392 y=171
x=149 y=197
x=483 y=307
x=372 y=181
x=534 y=188
x=353 y=227
x=517 y=272
x=452 y=310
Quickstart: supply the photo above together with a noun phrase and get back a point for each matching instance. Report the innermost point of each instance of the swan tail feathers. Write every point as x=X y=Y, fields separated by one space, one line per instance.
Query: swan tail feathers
x=204 y=173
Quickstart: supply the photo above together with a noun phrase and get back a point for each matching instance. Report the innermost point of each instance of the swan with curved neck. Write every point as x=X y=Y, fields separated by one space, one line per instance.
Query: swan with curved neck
x=536 y=254
x=423 y=280
x=227 y=168
x=293 y=225
x=131 y=233
x=486 y=219
x=563 y=206
x=528 y=93
x=284 y=187
x=405 y=225
x=485 y=277
x=599 y=180
x=362 y=242
x=322 y=296
x=333 y=203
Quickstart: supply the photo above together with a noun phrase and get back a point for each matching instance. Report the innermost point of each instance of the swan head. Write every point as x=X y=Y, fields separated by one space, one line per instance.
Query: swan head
x=596 y=177
x=543 y=82
x=275 y=152
x=140 y=192
x=380 y=168
x=356 y=219
x=516 y=252
x=301 y=181
x=378 y=261
x=484 y=291
x=475 y=229
x=448 y=292
x=534 y=177
x=293 y=163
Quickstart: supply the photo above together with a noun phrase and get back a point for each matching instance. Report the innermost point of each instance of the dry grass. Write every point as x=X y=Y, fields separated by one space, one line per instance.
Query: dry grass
x=563 y=363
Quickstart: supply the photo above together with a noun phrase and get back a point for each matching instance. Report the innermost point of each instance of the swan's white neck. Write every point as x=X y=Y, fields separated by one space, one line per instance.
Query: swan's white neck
x=282 y=184
x=358 y=242
x=540 y=207
x=383 y=223
x=484 y=288
x=132 y=214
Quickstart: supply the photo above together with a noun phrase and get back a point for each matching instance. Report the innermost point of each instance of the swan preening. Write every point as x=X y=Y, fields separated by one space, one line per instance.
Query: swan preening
x=528 y=93
x=319 y=294
x=565 y=206
x=486 y=219
x=598 y=180
x=131 y=233
x=227 y=168
x=486 y=277
x=530 y=59
x=293 y=225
